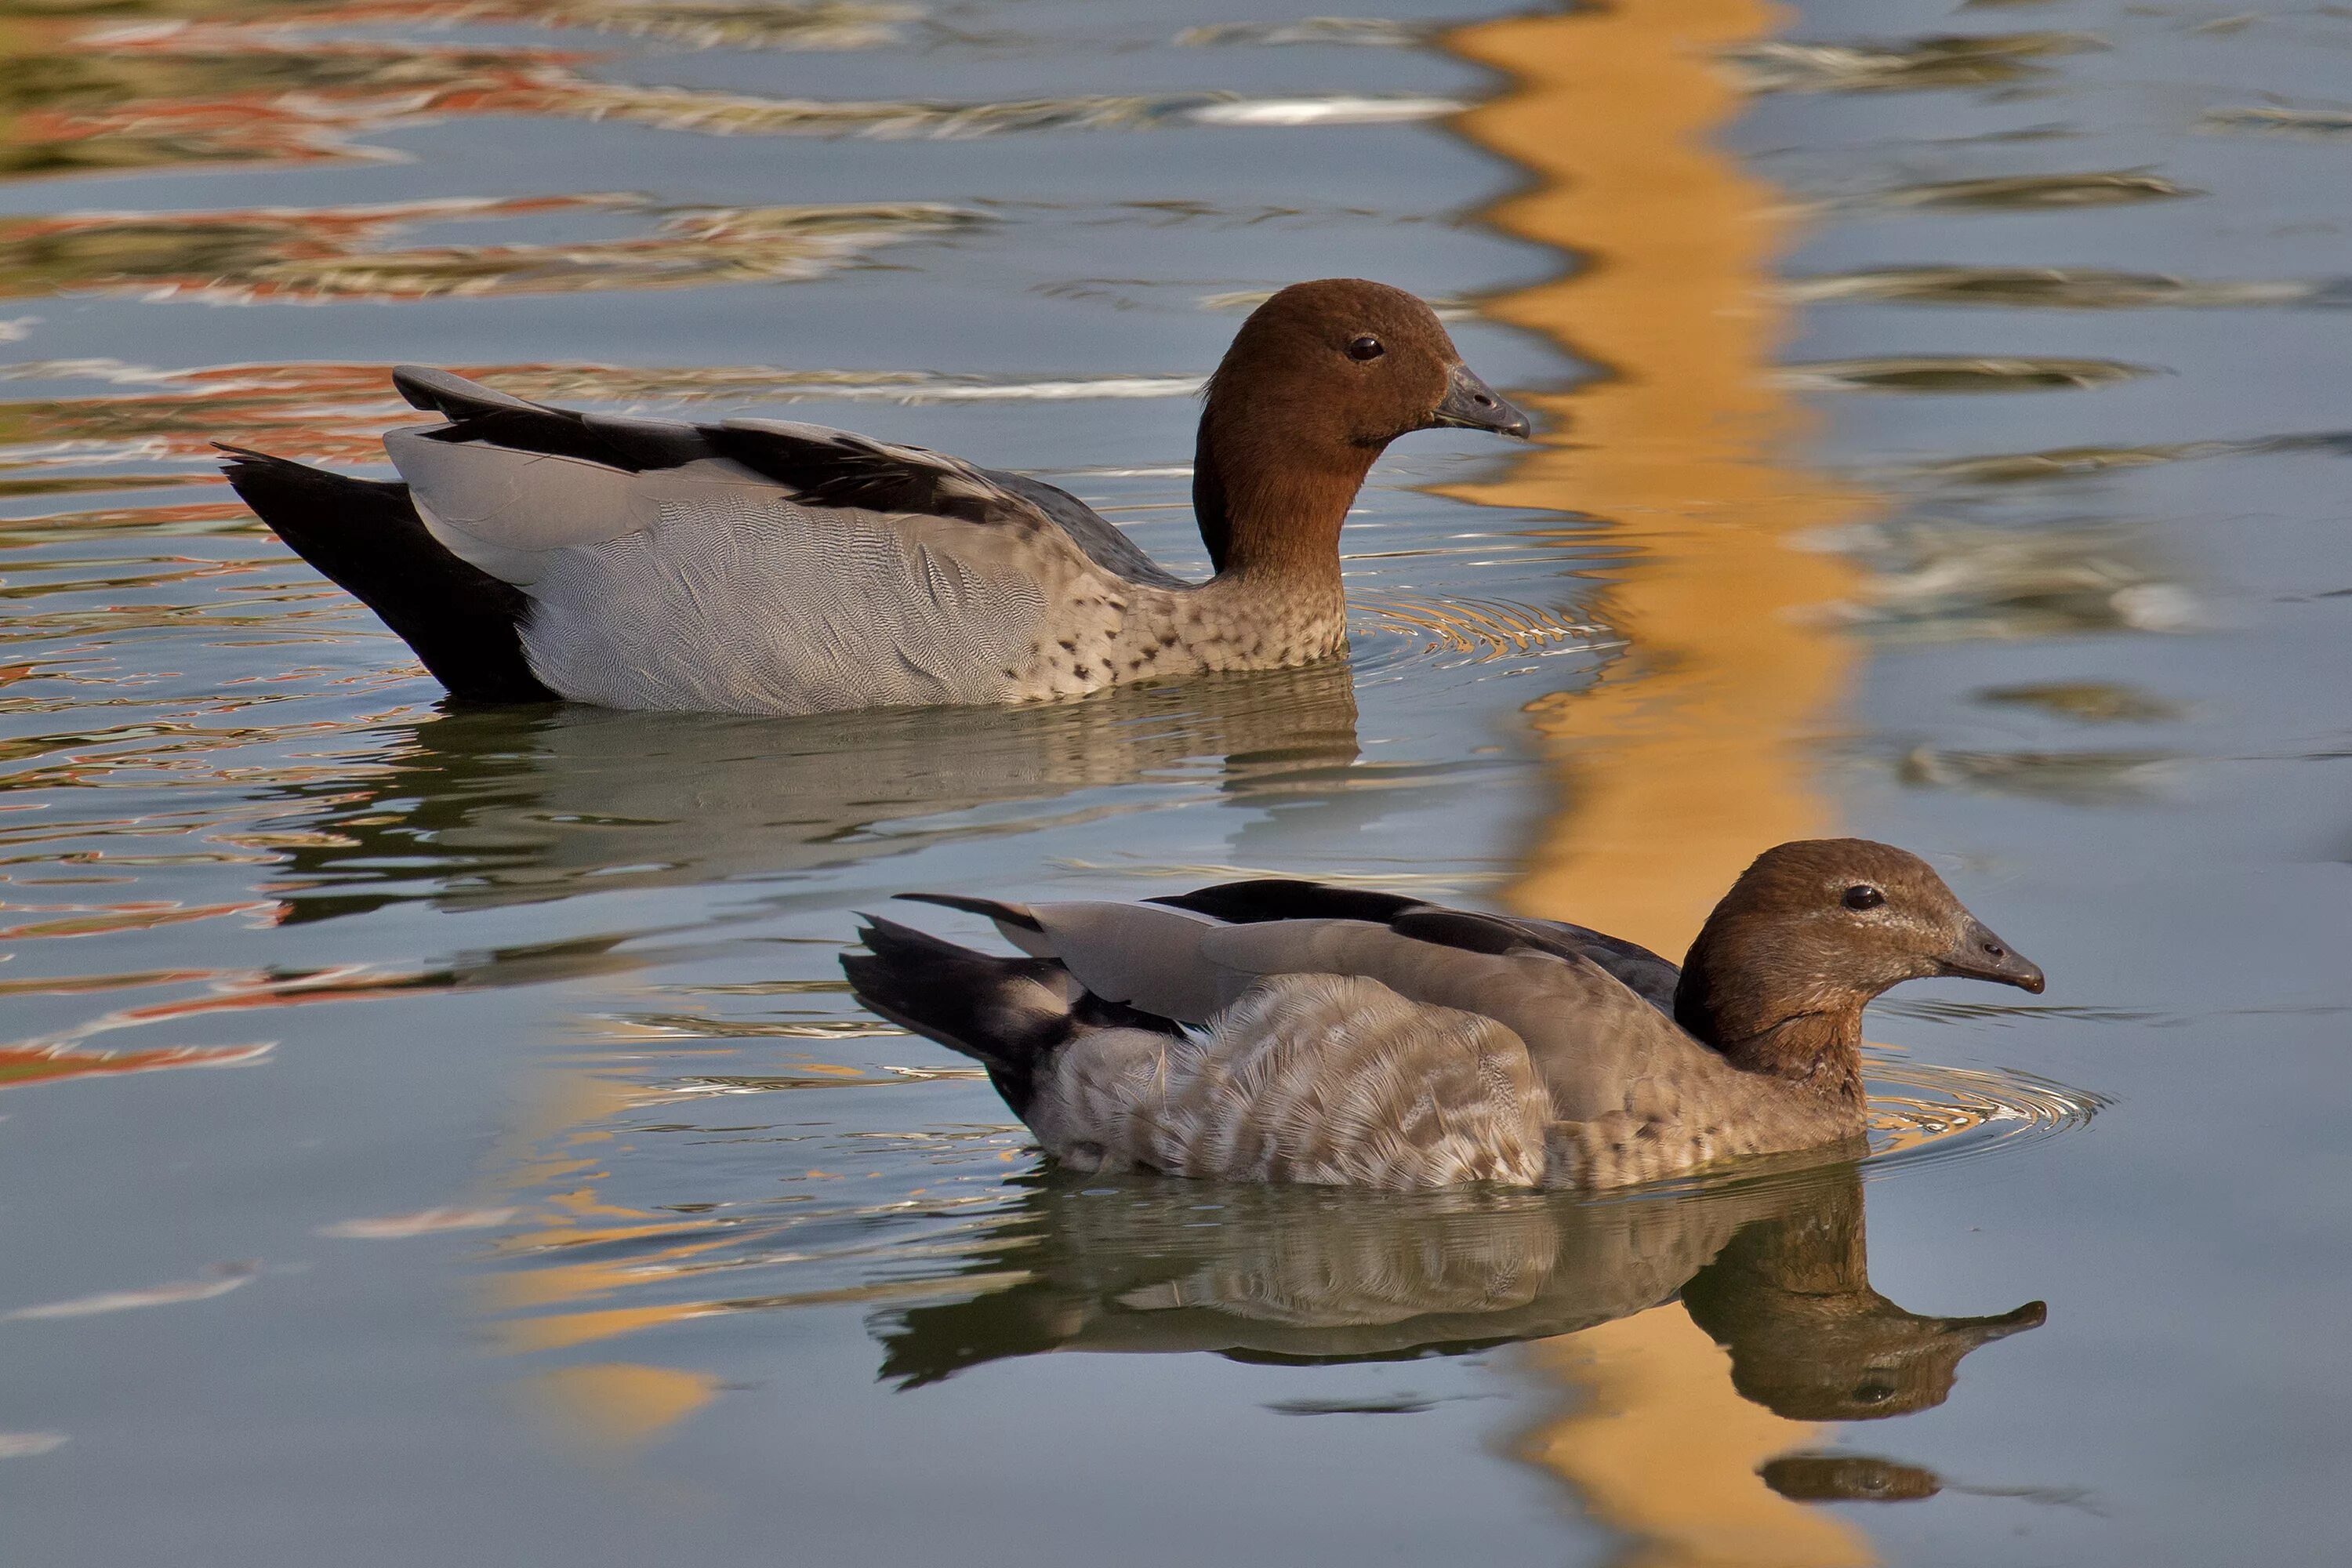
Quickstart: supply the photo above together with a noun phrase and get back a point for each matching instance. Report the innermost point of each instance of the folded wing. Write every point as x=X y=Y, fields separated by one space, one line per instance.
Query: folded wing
x=750 y=565
x=1600 y=1047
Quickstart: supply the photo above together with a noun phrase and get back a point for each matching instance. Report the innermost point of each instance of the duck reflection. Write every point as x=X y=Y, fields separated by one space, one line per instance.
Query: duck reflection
x=484 y=807
x=1772 y=1268
x=1866 y=1477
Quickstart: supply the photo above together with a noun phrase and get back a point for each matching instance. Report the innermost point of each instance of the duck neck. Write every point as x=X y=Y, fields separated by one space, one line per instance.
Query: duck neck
x=1823 y=1049
x=1811 y=1037
x=1270 y=513
x=1815 y=1249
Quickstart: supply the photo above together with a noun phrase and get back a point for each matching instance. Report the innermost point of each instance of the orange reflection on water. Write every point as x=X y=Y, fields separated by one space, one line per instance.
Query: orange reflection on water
x=44 y=1063
x=1688 y=756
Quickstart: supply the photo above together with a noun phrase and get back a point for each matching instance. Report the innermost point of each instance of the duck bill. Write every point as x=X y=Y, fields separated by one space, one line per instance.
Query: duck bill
x=1472 y=405
x=1983 y=1331
x=1981 y=955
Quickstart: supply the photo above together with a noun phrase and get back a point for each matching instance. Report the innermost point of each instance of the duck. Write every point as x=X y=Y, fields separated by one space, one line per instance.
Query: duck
x=531 y=553
x=1283 y=1031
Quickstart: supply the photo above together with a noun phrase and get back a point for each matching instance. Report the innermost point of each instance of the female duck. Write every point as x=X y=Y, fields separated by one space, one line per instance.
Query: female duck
x=1287 y=1031
x=535 y=553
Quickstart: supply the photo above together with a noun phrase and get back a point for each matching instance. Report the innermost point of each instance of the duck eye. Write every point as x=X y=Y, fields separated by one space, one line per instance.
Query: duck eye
x=1863 y=896
x=1366 y=347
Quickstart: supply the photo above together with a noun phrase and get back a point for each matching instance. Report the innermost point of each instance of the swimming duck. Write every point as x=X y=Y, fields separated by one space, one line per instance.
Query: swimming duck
x=1278 y=1030
x=535 y=553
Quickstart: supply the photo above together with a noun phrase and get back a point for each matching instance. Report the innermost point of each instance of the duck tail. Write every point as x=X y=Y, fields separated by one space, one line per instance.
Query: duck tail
x=1010 y=1014
x=365 y=536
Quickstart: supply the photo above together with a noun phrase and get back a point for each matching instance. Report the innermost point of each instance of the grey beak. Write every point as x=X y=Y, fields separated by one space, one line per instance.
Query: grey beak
x=1980 y=955
x=1473 y=405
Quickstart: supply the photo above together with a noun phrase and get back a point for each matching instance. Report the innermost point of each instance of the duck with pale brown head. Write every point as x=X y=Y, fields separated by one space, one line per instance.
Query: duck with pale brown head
x=1290 y=1031
x=536 y=553
x=1808 y=936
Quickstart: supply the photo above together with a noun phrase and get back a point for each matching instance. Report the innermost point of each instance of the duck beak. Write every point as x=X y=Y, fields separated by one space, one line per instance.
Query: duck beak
x=1473 y=405
x=1980 y=955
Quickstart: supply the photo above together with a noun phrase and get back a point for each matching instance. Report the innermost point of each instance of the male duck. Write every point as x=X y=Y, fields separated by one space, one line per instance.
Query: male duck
x=1288 y=1031
x=536 y=553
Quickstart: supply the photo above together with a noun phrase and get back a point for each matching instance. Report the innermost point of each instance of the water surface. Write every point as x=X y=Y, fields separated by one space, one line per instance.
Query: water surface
x=442 y=1135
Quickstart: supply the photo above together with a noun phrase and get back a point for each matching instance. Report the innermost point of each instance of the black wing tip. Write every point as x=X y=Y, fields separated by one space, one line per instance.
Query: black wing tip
x=1010 y=914
x=1262 y=899
x=1246 y=888
x=415 y=385
x=445 y=391
x=1463 y=929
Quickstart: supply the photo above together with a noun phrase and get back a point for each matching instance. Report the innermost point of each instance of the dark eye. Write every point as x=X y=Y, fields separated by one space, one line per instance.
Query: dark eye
x=1863 y=896
x=1366 y=347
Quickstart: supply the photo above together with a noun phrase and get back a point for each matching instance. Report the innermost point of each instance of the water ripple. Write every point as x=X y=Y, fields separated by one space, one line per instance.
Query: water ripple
x=1981 y=59
x=2060 y=287
x=2004 y=193
x=1959 y=372
x=1452 y=632
x=275 y=254
x=1922 y=1114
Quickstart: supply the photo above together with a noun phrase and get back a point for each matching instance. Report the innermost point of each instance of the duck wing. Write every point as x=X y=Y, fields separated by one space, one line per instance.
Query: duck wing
x=1601 y=1047
x=750 y=565
x=1324 y=1079
x=1642 y=972
x=1091 y=532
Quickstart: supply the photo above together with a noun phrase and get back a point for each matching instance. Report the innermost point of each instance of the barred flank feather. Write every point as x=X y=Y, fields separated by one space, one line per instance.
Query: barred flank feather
x=1329 y=1079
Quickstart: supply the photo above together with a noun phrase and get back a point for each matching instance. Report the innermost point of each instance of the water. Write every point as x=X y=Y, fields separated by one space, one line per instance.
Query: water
x=442 y=1136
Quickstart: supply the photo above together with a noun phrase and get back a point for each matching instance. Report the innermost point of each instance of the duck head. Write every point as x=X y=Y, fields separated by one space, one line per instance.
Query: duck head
x=1810 y=933
x=1320 y=379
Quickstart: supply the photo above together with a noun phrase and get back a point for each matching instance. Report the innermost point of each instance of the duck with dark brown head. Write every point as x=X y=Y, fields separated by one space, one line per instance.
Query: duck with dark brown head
x=536 y=553
x=1289 y=1031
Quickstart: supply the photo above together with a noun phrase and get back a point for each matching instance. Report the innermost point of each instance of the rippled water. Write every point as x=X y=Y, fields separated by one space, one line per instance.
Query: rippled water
x=1943 y=432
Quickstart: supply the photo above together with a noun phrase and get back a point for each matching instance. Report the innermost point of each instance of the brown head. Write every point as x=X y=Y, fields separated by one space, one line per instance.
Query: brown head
x=1318 y=380
x=1810 y=933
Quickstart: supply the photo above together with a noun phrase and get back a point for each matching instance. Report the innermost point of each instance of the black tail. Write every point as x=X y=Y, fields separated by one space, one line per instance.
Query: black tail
x=1010 y=1014
x=365 y=536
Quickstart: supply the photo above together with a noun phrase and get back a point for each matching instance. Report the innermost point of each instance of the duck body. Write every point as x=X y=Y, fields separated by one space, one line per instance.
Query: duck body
x=1285 y=1031
x=537 y=553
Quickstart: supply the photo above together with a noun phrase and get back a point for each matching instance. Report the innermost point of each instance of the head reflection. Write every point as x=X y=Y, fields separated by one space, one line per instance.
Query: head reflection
x=1772 y=1268
x=1790 y=1298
